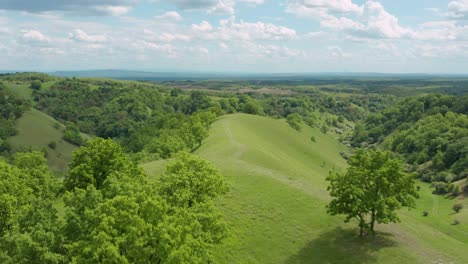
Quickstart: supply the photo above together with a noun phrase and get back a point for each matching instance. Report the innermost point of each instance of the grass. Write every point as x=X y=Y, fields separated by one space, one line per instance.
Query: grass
x=276 y=208
x=37 y=130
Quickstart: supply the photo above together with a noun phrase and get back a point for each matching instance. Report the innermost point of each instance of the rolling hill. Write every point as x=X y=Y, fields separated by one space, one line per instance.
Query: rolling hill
x=276 y=208
x=37 y=130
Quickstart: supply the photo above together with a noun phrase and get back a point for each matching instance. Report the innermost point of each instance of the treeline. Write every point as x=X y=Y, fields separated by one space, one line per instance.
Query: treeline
x=430 y=133
x=155 y=122
x=111 y=211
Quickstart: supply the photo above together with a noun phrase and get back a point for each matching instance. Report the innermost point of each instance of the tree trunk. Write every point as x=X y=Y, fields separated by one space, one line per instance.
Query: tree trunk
x=361 y=226
x=372 y=224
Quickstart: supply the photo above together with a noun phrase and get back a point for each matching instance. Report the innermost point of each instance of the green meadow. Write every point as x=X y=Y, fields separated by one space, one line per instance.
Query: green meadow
x=276 y=208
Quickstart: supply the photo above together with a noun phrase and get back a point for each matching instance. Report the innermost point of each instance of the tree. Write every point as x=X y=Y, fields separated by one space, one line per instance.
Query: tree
x=294 y=120
x=94 y=162
x=36 y=85
x=252 y=107
x=373 y=188
x=133 y=221
x=190 y=180
x=72 y=134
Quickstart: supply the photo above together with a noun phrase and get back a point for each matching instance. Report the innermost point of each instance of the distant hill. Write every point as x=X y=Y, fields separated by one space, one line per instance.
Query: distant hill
x=173 y=76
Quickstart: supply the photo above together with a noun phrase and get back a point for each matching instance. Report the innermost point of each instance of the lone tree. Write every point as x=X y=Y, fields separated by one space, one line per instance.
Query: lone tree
x=371 y=191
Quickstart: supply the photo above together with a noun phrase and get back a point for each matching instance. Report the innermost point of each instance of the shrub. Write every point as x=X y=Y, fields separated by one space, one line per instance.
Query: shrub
x=425 y=213
x=457 y=207
x=294 y=120
x=36 y=85
x=312 y=138
x=456 y=222
x=52 y=145
x=57 y=126
x=456 y=190
x=440 y=187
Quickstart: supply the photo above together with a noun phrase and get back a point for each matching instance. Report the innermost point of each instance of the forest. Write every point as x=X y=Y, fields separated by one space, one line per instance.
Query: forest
x=154 y=171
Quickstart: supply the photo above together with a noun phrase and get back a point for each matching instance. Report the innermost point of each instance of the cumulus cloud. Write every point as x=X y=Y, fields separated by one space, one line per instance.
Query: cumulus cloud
x=170 y=16
x=318 y=8
x=203 y=26
x=80 y=35
x=86 y=7
x=230 y=29
x=369 y=20
x=30 y=35
x=222 y=7
x=458 y=9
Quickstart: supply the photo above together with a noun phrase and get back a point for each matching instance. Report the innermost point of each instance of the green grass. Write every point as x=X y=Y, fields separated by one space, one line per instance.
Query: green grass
x=20 y=89
x=37 y=129
x=276 y=208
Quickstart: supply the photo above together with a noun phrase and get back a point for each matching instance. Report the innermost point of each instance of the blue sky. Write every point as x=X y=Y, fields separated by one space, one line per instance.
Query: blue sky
x=417 y=36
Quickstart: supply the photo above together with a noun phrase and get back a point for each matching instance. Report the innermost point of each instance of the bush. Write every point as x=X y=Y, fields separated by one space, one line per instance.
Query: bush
x=52 y=145
x=456 y=190
x=36 y=85
x=57 y=126
x=425 y=213
x=72 y=134
x=456 y=222
x=294 y=120
x=440 y=187
x=312 y=138
x=457 y=207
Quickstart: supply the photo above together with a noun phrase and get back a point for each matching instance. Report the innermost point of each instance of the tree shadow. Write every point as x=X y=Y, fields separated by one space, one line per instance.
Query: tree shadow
x=342 y=246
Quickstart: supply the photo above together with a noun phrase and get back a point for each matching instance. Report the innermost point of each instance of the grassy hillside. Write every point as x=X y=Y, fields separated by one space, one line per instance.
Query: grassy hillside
x=37 y=129
x=276 y=208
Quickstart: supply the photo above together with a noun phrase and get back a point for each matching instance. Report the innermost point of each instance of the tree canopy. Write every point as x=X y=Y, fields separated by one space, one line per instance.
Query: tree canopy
x=373 y=188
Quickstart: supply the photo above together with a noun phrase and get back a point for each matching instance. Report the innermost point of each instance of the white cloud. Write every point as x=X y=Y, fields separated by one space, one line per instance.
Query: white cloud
x=318 y=8
x=370 y=20
x=80 y=35
x=458 y=9
x=253 y=2
x=30 y=35
x=164 y=36
x=230 y=29
x=203 y=26
x=222 y=7
x=171 y=16
x=112 y=10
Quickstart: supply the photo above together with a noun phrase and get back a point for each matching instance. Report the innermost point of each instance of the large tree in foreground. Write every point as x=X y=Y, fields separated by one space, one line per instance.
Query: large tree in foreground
x=371 y=191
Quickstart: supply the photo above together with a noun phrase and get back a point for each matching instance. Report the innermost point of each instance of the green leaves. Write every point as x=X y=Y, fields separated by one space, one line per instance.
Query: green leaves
x=372 y=190
x=93 y=163
x=190 y=180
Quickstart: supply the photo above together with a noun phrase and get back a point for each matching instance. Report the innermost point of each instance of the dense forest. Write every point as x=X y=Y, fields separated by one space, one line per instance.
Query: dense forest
x=105 y=207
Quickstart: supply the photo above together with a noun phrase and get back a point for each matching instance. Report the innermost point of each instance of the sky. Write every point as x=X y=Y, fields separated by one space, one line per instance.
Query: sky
x=252 y=36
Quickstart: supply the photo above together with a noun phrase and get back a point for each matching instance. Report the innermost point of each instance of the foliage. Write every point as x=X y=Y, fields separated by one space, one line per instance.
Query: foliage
x=133 y=221
x=294 y=120
x=94 y=162
x=190 y=180
x=457 y=207
x=372 y=190
x=72 y=134
x=36 y=85
x=11 y=108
